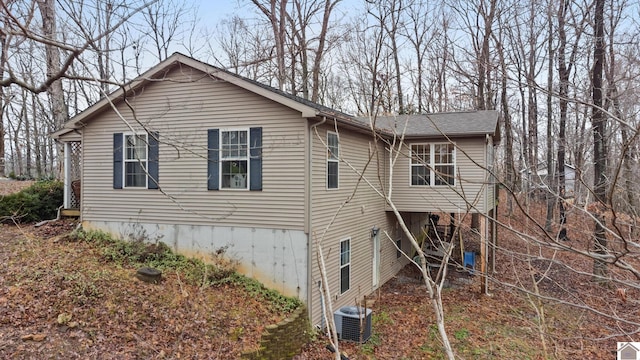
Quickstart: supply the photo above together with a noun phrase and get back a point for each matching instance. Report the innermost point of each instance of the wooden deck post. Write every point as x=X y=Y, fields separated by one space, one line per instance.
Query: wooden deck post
x=483 y=254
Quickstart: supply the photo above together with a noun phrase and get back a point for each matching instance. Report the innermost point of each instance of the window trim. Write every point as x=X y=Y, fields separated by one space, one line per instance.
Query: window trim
x=431 y=165
x=335 y=160
x=247 y=158
x=125 y=160
x=426 y=165
x=347 y=264
x=453 y=163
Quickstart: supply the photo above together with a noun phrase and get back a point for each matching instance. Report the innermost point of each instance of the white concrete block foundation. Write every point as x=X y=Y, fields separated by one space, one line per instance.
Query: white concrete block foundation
x=275 y=257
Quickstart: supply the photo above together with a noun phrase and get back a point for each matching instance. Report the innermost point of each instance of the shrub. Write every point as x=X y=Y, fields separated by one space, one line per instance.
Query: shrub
x=22 y=177
x=39 y=201
x=278 y=301
x=138 y=252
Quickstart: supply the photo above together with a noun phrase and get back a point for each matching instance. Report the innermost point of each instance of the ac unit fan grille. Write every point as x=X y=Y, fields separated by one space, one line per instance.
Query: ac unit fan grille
x=351 y=329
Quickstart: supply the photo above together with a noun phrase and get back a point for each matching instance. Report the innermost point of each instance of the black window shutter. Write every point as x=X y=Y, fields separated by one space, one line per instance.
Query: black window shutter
x=154 y=157
x=255 y=158
x=117 y=161
x=213 y=159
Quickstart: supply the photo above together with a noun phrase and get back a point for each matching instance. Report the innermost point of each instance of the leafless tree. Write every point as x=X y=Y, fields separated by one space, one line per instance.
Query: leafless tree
x=62 y=42
x=388 y=14
x=598 y=120
x=165 y=20
x=565 y=67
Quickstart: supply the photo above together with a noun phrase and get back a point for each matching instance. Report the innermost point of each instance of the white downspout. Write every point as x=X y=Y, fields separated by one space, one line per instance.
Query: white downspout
x=486 y=220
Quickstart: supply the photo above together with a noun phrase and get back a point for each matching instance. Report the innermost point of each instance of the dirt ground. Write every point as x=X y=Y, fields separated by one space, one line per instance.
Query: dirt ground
x=61 y=300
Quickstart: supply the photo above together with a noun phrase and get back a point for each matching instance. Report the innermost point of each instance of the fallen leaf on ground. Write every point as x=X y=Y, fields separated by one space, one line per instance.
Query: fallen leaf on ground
x=34 y=337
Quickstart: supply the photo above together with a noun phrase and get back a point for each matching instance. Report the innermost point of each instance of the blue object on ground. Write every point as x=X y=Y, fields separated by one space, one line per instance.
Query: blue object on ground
x=469 y=260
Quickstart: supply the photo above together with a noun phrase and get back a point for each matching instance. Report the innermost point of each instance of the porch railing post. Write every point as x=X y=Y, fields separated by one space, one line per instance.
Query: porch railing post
x=67 y=176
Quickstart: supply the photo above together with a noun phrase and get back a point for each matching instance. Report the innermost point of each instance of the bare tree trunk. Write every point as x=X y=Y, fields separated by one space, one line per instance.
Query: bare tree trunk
x=613 y=101
x=564 y=71
x=3 y=59
x=599 y=145
x=532 y=99
x=508 y=132
x=442 y=66
x=55 y=91
x=298 y=49
x=387 y=14
x=24 y=115
x=319 y=53
x=35 y=137
x=164 y=19
x=17 y=150
x=565 y=67
x=551 y=198
x=277 y=15
x=2 y=131
x=103 y=46
x=524 y=154
x=482 y=99
x=392 y=32
x=418 y=35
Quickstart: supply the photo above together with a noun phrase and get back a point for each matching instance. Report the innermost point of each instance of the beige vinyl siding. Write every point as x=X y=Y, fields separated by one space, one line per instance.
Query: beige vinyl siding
x=491 y=202
x=71 y=136
x=182 y=110
x=468 y=192
x=364 y=210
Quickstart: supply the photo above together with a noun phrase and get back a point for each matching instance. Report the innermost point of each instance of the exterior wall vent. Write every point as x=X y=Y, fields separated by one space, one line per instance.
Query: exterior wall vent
x=351 y=322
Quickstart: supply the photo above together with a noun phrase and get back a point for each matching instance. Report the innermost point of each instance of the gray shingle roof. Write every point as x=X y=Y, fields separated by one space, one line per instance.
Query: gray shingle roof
x=453 y=124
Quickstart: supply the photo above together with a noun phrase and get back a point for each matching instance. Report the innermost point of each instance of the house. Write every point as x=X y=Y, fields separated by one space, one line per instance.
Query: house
x=540 y=181
x=202 y=159
x=627 y=351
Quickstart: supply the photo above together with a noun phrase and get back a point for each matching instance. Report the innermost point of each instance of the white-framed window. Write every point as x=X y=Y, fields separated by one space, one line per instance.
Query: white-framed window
x=345 y=265
x=433 y=164
x=135 y=160
x=333 y=156
x=234 y=159
x=420 y=159
x=444 y=164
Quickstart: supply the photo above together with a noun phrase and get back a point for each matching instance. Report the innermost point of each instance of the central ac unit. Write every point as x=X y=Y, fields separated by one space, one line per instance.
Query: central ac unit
x=352 y=322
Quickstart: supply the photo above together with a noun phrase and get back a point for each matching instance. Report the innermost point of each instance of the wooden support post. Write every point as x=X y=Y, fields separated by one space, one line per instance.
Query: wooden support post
x=452 y=226
x=494 y=237
x=475 y=221
x=494 y=224
x=446 y=233
x=483 y=255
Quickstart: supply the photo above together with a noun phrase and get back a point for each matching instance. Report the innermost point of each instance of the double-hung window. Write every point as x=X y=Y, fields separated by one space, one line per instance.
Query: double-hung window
x=420 y=158
x=333 y=156
x=135 y=160
x=345 y=265
x=234 y=159
x=444 y=164
x=433 y=164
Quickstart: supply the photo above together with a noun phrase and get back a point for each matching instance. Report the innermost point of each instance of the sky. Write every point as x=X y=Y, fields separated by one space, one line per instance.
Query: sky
x=210 y=13
x=217 y=10
x=213 y=11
